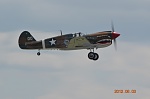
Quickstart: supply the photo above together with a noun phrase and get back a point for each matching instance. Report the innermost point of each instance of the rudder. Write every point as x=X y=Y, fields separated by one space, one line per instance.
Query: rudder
x=24 y=38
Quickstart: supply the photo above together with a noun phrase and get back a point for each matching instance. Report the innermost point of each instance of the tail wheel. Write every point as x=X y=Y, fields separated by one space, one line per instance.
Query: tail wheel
x=38 y=53
x=91 y=55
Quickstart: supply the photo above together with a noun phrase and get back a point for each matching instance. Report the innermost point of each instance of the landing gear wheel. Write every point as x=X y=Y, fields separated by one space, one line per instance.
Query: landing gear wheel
x=96 y=56
x=38 y=53
x=91 y=55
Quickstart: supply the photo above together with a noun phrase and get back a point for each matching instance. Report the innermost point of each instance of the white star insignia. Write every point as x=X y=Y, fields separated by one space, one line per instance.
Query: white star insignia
x=52 y=42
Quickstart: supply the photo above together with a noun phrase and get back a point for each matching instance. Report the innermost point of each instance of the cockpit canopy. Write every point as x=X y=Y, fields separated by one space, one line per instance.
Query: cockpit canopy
x=79 y=34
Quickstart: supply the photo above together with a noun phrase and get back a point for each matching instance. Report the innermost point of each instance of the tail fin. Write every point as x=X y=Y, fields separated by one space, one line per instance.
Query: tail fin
x=24 y=38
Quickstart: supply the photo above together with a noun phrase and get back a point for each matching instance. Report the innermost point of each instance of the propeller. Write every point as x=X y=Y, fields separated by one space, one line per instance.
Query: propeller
x=114 y=35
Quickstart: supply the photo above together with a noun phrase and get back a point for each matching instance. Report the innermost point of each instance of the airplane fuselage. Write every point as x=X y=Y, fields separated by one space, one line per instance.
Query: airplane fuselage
x=69 y=42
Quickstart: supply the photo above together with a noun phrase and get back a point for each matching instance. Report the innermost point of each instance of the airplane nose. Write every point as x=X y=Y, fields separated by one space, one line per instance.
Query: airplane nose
x=115 y=35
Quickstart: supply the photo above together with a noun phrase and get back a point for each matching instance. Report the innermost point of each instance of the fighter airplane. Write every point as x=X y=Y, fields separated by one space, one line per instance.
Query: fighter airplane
x=70 y=41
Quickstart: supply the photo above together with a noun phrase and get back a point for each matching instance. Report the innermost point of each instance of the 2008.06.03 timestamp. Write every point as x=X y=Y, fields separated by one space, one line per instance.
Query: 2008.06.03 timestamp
x=125 y=91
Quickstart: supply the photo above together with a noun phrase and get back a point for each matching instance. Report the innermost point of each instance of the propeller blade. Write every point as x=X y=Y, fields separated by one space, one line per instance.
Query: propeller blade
x=112 y=26
x=115 y=44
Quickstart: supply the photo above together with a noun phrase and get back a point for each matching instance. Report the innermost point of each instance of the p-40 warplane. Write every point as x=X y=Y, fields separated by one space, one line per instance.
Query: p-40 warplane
x=74 y=41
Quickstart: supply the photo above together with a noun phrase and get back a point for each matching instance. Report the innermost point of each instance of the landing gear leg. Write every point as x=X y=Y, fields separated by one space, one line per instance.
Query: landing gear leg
x=93 y=56
x=38 y=53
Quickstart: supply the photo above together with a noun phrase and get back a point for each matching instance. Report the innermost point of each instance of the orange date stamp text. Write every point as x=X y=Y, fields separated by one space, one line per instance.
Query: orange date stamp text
x=125 y=91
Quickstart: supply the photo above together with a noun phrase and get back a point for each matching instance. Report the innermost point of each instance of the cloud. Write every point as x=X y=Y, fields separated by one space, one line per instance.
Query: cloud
x=70 y=74
x=10 y=48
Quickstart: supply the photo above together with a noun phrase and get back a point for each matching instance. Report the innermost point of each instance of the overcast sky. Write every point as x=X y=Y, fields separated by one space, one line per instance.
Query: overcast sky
x=70 y=74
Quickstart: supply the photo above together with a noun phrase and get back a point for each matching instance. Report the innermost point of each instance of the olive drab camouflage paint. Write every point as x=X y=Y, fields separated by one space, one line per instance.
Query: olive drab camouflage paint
x=69 y=42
